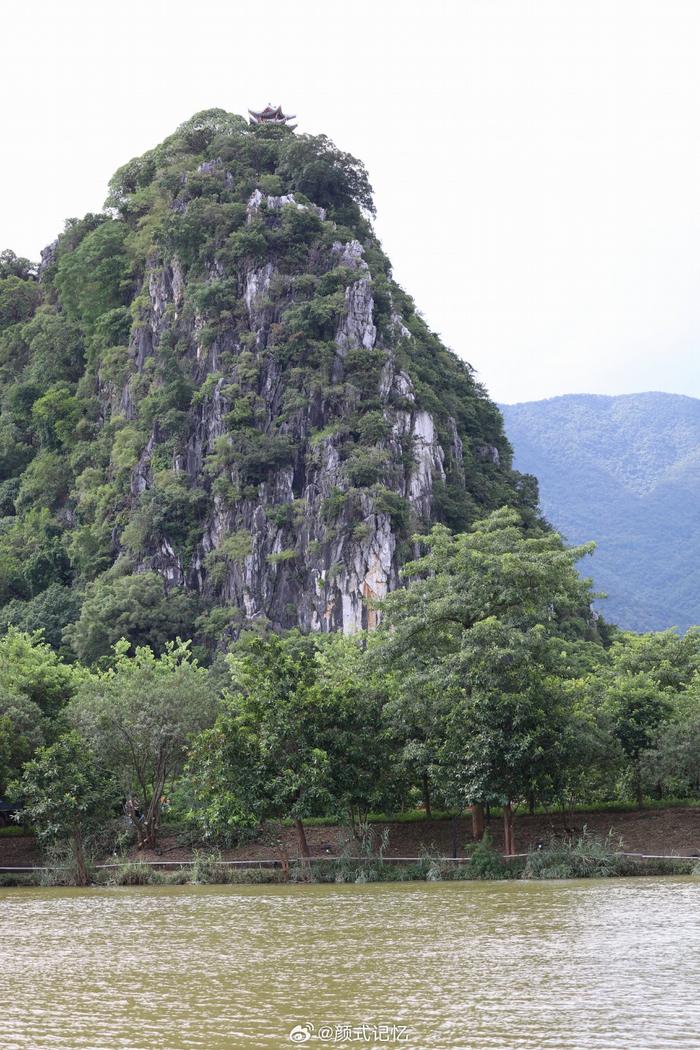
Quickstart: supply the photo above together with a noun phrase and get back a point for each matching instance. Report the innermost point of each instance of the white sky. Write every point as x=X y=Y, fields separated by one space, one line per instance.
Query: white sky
x=536 y=164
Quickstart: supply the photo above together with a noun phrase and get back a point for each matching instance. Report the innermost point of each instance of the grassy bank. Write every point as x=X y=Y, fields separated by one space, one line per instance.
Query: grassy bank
x=585 y=857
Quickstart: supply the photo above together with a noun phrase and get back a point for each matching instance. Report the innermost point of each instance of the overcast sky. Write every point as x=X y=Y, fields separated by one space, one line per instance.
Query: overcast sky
x=536 y=165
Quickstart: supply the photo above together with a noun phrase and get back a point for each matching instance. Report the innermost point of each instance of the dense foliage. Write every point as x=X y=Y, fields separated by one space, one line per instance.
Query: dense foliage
x=141 y=405
x=478 y=689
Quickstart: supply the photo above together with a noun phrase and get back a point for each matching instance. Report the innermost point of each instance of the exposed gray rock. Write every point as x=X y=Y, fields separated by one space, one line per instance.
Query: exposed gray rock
x=488 y=453
x=256 y=288
x=356 y=328
x=48 y=257
x=299 y=567
x=258 y=198
x=349 y=255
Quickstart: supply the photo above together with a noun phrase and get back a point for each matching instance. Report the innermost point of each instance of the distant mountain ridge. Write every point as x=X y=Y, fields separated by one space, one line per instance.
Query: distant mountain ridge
x=624 y=471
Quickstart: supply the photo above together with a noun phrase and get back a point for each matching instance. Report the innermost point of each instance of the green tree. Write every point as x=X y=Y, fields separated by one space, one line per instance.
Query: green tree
x=505 y=739
x=674 y=764
x=18 y=300
x=299 y=735
x=637 y=707
x=56 y=415
x=35 y=686
x=26 y=729
x=44 y=483
x=49 y=613
x=363 y=773
x=30 y=668
x=273 y=696
x=55 y=348
x=139 y=716
x=472 y=630
x=329 y=177
x=67 y=796
x=12 y=265
x=6 y=734
x=137 y=608
x=641 y=689
x=96 y=276
x=32 y=555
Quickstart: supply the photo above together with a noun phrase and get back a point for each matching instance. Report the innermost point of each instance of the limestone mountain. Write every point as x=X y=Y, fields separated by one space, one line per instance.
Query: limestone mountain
x=218 y=407
x=624 y=471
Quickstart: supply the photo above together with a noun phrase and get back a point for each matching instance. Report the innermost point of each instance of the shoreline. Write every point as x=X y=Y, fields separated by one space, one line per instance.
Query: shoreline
x=657 y=841
x=319 y=872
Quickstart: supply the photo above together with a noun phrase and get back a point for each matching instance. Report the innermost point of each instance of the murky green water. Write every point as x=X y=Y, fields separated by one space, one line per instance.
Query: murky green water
x=569 y=966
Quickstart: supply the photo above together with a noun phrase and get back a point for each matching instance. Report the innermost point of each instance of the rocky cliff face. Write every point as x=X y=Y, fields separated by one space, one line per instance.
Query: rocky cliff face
x=300 y=570
x=270 y=419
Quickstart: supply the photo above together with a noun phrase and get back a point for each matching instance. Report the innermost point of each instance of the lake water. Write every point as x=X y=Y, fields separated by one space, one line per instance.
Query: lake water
x=569 y=966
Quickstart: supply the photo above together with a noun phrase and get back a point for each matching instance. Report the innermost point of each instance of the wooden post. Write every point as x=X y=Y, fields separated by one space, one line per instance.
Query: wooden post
x=509 y=838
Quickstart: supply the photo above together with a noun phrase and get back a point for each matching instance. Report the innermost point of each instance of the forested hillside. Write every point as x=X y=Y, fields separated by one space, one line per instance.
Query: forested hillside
x=218 y=408
x=624 y=471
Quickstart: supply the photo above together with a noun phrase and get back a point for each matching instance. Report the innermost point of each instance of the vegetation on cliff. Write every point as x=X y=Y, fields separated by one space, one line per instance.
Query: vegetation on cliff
x=218 y=406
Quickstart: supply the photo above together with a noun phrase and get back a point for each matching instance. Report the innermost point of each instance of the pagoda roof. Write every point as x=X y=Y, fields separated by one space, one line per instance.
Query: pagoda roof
x=271 y=115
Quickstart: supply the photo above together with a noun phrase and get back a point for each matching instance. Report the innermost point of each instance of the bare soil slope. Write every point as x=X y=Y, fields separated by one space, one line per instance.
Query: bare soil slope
x=668 y=832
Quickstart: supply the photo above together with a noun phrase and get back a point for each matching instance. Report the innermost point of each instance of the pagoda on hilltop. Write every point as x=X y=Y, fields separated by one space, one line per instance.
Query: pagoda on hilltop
x=272 y=115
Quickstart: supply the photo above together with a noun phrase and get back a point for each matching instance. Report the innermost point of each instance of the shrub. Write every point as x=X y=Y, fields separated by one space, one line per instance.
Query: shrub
x=365 y=465
x=373 y=427
x=585 y=857
x=392 y=503
x=233 y=548
x=176 y=877
x=333 y=505
x=280 y=556
x=485 y=862
x=132 y=873
x=17 y=878
x=207 y=867
x=60 y=869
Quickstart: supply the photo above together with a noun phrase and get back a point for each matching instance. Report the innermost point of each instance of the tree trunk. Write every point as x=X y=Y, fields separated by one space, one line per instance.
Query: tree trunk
x=508 y=836
x=152 y=821
x=455 y=835
x=531 y=803
x=426 y=796
x=81 y=872
x=303 y=844
x=136 y=821
x=477 y=821
x=152 y=824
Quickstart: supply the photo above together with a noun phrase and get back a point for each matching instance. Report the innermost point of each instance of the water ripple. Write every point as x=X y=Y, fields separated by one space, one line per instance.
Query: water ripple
x=477 y=966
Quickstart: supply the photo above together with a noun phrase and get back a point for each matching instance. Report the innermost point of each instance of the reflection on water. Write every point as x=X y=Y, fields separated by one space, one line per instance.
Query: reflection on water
x=476 y=966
